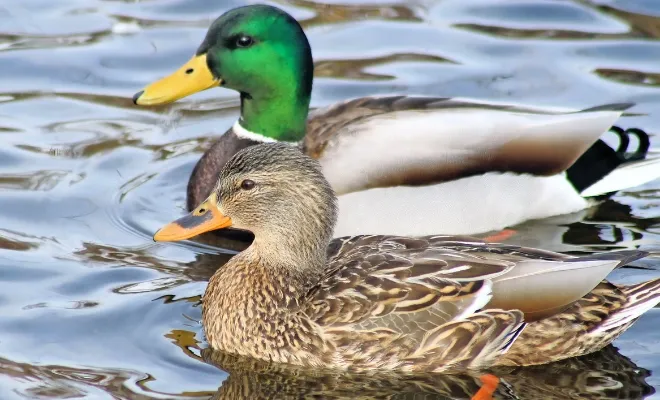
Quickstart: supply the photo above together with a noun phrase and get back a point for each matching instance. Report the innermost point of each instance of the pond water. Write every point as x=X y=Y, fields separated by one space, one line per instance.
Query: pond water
x=92 y=308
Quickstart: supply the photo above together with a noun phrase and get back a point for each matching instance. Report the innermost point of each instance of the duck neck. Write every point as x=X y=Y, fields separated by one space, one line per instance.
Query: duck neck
x=280 y=278
x=282 y=266
x=303 y=260
x=279 y=115
x=250 y=294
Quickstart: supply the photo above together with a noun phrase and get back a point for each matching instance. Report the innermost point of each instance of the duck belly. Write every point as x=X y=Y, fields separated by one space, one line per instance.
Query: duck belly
x=466 y=206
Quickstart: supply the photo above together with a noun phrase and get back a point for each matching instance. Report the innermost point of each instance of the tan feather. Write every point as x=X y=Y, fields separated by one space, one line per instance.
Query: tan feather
x=423 y=304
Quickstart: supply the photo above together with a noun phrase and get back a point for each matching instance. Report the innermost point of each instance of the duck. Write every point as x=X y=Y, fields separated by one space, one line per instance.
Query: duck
x=462 y=164
x=440 y=303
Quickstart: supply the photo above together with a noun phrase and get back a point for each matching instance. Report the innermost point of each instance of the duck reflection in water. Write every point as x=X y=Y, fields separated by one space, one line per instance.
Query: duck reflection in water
x=603 y=375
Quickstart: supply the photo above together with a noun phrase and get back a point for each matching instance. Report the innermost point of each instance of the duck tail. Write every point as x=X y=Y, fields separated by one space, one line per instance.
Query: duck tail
x=602 y=170
x=624 y=257
x=640 y=298
x=587 y=326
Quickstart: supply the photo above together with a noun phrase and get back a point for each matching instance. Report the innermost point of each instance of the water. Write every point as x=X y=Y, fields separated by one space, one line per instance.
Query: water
x=92 y=308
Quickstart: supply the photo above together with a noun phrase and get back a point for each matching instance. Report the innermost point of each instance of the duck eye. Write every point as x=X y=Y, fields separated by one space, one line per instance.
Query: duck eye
x=247 y=184
x=244 y=41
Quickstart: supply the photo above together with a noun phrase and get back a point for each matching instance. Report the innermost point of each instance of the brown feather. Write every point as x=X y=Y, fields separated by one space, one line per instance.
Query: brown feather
x=421 y=304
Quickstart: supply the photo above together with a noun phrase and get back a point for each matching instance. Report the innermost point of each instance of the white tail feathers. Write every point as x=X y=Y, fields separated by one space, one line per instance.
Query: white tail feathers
x=626 y=176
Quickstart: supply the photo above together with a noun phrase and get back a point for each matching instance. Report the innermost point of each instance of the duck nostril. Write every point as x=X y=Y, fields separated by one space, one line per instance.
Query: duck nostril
x=190 y=71
x=137 y=95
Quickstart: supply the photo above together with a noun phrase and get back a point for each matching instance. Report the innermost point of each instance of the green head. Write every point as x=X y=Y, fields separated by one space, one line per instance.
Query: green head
x=259 y=51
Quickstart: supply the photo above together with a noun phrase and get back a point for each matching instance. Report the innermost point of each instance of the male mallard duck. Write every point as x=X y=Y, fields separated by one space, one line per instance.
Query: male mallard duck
x=434 y=303
x=465 y=166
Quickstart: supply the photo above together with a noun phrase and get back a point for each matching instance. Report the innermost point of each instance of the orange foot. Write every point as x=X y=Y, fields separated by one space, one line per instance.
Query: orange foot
x=488 y=386
x=500 y=236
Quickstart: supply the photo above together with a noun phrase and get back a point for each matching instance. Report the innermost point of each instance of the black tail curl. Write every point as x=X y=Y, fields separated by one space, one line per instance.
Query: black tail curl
x=601 y=159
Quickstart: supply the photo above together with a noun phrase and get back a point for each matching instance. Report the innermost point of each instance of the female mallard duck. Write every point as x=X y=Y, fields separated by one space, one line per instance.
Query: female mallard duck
x=464 y=166
x=435 y=303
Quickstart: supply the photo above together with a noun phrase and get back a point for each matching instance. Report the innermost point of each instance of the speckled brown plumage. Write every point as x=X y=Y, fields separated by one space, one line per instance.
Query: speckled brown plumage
x=582 y=328
x=425 y=304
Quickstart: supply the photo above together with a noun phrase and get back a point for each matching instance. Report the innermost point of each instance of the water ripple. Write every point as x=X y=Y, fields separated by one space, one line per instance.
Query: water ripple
x=92 y=307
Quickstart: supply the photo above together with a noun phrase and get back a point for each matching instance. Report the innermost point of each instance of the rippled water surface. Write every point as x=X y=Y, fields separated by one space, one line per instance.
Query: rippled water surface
x=91 y=307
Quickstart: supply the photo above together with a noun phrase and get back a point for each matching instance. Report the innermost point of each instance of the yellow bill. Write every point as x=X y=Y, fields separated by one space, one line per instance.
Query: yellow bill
x=206 y=217
x=194 y=76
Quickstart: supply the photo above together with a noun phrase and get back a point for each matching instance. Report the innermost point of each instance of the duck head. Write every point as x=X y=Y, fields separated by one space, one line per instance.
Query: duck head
x=272 y=190
x=259 y=51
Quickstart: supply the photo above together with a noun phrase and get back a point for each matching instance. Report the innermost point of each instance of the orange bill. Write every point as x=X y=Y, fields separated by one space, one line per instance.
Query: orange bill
x=194 y=76
x=206 y=217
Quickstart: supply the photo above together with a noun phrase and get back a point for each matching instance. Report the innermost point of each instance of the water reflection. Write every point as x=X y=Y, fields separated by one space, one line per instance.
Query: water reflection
x=62 y=382
x=603 y=375
x=92 y=308
x=633 y=13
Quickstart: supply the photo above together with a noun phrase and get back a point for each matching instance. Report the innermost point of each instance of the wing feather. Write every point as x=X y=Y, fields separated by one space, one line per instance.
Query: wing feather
x=431 y=299
x=421 y=140
x=406 y=285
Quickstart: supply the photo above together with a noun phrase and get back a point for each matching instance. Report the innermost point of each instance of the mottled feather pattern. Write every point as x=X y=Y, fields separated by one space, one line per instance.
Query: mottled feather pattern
x=262 y=322
x=587 y=326
x=377 y=275
x=638 y=299
x=423 y=304
x=384 y=301
x=472 y=343
x=409 y=292
x=399 y=303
